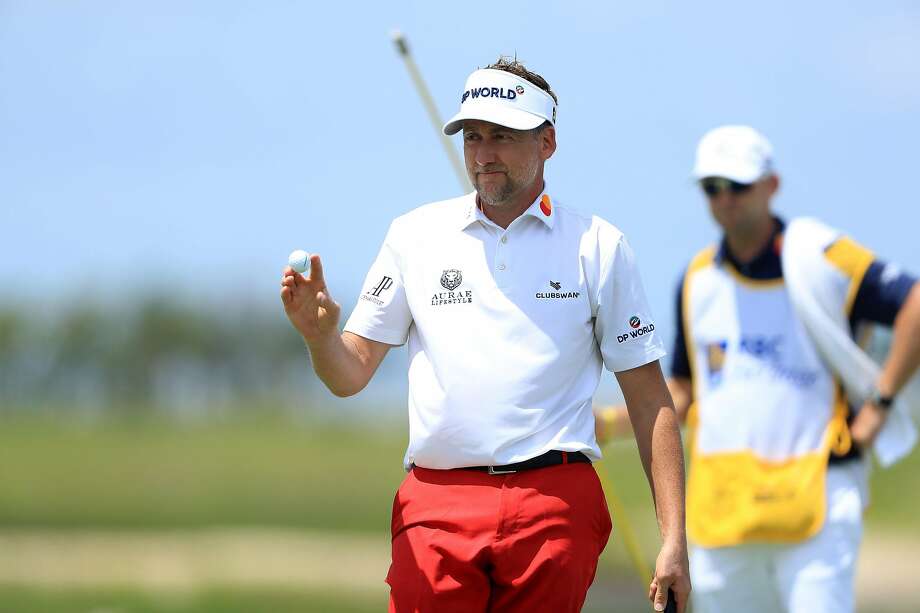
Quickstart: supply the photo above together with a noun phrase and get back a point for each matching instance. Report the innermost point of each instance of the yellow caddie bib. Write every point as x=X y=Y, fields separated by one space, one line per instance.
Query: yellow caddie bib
x=766 y=411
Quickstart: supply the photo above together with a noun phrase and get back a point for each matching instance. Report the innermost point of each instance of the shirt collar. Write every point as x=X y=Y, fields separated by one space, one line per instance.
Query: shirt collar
x=543 y=208
x=767 y=264
x=471 y=212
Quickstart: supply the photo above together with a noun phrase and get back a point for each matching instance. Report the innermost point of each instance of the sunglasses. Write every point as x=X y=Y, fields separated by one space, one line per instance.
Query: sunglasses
x=713 y=186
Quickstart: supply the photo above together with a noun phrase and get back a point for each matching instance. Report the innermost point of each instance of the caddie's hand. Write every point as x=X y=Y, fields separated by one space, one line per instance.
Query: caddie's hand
x=672 y=570
x=307 y=302
x=867 y=424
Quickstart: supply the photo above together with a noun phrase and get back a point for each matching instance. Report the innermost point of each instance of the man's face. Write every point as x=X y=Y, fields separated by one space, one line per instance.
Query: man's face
x=738 y=208
x=503 y=163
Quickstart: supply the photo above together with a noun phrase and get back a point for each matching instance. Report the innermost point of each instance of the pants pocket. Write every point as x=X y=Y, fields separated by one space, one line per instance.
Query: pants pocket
x=399 y=502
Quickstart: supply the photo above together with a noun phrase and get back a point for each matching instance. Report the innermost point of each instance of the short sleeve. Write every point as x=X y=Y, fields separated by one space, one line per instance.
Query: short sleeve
x=624 y=326
x=680 y=359
x=882 y=292
x=382 y=313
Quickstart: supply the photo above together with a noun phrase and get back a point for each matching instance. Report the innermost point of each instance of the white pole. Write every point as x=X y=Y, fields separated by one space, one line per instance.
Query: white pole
x=402 y=47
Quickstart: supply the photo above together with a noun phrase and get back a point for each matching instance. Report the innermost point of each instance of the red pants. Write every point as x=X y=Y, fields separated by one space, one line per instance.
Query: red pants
x=466 y=541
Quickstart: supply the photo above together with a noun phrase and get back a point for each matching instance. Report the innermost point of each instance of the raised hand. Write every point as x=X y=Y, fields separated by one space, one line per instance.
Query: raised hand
x=307 y=302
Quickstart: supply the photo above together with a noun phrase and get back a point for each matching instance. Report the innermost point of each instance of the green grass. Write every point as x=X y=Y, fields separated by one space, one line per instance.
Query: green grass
x=266 y=470
x=895 y=496
x=223 y=600
x=158 y=474
x=241 y=471
x=30 y=600
x=269 y=470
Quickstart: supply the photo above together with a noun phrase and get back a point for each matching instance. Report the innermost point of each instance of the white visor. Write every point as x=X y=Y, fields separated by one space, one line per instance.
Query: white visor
x=500 y=97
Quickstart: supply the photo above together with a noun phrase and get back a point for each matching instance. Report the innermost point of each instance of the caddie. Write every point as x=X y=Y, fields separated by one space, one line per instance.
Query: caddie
x=512 y=304
x=782 y=403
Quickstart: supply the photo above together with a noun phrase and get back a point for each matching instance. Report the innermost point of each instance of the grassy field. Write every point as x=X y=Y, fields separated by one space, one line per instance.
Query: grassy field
x=22 y=600
x=254 y=472
x=236 y=472
x=261 y=471
x=156 y=474
x=29 y=600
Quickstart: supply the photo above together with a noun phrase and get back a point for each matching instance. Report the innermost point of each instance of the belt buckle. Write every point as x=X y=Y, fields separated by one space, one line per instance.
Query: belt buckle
x=492 y=471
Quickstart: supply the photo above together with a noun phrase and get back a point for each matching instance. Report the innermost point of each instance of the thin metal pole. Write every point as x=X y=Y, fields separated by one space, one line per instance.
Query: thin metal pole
x=627 y=533
x=402 y=47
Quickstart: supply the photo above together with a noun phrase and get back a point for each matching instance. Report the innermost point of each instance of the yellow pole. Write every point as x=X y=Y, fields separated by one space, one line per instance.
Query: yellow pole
x=630 y=541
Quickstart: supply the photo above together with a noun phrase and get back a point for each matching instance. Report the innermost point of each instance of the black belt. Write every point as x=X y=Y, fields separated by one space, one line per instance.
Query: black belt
x=550 y=458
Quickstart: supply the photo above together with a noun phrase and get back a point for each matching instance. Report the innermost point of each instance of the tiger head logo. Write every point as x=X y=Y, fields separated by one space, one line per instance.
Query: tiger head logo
x=451 y=279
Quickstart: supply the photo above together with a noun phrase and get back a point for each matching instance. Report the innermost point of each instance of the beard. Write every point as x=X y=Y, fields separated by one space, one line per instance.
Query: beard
x=501 y=193
x=494 y=194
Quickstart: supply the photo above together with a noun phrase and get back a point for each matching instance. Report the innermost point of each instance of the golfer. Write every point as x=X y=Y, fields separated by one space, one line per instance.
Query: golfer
x=512 y=304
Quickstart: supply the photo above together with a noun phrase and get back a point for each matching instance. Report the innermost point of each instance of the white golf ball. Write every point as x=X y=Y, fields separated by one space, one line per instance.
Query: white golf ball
x=299 y=260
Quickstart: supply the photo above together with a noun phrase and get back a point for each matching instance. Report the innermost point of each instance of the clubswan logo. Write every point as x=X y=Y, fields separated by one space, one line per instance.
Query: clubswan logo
x=556 y=295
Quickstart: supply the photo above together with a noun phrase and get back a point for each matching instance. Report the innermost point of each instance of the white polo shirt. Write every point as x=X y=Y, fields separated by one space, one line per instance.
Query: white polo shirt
x=507 y=328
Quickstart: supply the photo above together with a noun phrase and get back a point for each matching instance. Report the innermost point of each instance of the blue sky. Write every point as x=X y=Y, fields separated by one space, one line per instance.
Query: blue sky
x=192 y=145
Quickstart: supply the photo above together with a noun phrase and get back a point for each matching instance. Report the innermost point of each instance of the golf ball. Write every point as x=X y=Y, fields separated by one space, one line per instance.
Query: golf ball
x=299 y=260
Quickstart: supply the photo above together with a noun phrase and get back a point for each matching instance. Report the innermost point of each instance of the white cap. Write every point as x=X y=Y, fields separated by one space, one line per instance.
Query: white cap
x=500 y=97
x=739 y=153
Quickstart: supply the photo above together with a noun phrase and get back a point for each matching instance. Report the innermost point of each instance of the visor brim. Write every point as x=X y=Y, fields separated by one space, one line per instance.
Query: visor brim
x=515 y=119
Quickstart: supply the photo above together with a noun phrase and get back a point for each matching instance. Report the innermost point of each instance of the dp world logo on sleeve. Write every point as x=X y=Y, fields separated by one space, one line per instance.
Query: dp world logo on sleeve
x=637 y=330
